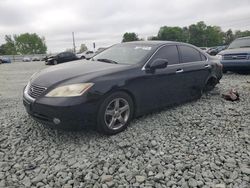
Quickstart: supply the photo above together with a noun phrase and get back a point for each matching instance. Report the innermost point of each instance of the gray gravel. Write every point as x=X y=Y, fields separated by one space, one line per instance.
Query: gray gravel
x=205 y=143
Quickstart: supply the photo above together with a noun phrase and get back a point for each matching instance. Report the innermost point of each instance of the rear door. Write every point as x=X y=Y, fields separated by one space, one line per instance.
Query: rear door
x=195 y=70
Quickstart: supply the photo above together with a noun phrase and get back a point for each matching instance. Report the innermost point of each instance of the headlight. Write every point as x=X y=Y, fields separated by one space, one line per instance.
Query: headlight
x=72 y=90
x=219 y=56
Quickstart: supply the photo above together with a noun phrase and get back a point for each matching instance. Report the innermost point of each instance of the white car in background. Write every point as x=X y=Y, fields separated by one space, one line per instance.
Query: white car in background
x=86 y=55
x=26 y=59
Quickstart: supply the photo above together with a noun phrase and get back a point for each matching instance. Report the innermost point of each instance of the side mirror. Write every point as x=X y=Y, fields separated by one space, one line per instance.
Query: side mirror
x=158 y=64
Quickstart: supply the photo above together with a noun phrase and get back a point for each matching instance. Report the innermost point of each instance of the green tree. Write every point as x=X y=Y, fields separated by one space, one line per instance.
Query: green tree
x=171 y=34
x=197 y=34
x=239 y=33
x=83 y=48
x=30 y=44
x=9 y=47
x=214 y=36
x=228 y=36
x=202 y=35
x=130 y=37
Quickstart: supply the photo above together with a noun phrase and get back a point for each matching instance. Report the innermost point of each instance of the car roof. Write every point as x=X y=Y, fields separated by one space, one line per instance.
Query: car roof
x=153 y=42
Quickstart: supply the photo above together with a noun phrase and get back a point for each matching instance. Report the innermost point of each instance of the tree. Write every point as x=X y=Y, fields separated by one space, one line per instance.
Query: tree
x=228 y=36
x=130 y=37
x=171 y=34
x=214 y=36
x=9 y=47
x=30 y=44
x=239 y=34
x=202 y=35
x=83 y=48
x=197 y=34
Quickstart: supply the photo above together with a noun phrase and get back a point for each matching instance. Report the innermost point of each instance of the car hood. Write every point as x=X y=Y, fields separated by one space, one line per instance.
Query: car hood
x=235 y=51
x=79 y=71
x=52 y=56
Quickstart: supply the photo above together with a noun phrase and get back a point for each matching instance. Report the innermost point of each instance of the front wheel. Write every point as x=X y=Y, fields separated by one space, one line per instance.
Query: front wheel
x=55 y=62
x=115 y=113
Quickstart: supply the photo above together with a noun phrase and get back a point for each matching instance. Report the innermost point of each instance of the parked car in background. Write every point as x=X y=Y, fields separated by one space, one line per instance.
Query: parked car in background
x=100 y=50
x=215 y=50
x=5 y=60
x=122 y=82
x=237 y=56
x=26 y=59
x=35 y=58
x=204 y=49
x=86 y=55
x=60 y=58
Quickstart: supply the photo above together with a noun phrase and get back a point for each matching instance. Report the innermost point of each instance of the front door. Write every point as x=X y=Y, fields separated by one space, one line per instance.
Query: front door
x=163 y=87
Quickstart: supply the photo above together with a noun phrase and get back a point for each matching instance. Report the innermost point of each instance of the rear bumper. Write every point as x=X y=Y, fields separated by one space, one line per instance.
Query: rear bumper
x=60 y=113
x=236 y=65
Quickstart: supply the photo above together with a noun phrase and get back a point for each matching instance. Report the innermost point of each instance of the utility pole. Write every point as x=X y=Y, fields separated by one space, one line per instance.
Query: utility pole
x=74 y=45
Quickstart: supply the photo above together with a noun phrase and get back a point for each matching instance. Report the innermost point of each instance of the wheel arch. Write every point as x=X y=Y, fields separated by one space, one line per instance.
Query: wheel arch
x=128 y=93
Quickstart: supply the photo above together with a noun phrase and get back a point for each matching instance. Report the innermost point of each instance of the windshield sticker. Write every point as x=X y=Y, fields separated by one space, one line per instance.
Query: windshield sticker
x=143 y=47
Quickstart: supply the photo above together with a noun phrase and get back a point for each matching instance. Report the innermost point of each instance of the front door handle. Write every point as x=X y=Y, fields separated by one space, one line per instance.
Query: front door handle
x=207 y=66
x=179 y=70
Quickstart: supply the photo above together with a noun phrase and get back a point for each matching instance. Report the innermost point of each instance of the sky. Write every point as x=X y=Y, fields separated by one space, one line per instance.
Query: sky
x=105 y=21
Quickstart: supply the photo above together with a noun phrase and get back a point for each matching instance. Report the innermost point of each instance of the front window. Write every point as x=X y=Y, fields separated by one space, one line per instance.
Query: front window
x=125 y=53
x=240 y=43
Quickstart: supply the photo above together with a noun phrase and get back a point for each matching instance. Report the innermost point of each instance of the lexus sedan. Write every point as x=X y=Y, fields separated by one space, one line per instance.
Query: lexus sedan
x=237 y=56
x=60 y=58
x=124 y=81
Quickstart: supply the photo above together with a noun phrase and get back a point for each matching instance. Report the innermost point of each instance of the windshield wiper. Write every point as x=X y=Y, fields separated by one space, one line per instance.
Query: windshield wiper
x=107 y=61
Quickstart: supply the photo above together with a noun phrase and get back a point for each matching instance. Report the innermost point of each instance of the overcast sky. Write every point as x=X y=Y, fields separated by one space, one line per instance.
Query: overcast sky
x=105 y=21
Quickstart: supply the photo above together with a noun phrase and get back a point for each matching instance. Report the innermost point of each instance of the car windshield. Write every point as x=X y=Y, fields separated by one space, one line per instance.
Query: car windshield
x=240 y=43
x=124 y=53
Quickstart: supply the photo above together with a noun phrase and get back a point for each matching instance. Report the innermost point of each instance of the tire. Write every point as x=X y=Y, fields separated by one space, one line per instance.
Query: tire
x=55 y=62
x=82 y=57
x=210 y=85
x=115 y=113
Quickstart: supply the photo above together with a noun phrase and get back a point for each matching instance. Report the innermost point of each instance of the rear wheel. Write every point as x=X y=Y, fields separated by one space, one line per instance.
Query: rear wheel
x=210 y=85
x=115 y=113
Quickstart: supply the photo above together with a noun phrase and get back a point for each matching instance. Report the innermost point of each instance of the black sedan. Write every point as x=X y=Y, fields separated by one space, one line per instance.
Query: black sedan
x=60 y=58
x=124 y=81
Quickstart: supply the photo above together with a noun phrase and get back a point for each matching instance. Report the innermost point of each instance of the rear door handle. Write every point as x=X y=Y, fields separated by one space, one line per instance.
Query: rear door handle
x=179 y=70
x=207 y=66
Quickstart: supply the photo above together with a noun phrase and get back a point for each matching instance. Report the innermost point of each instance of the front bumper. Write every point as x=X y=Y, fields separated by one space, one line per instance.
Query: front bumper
x=65 y=113
x=236 y=65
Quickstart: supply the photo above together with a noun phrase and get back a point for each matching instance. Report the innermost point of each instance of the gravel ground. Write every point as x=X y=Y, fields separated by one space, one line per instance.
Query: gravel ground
x=205 y=143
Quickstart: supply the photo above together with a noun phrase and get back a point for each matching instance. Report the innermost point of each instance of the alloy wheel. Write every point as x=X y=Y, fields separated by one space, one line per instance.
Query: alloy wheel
x=117 y=113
